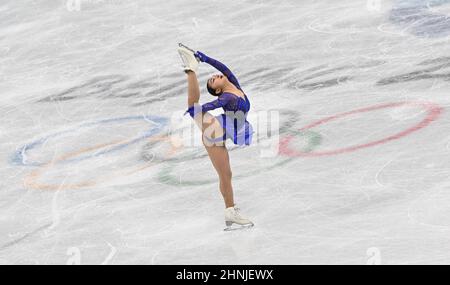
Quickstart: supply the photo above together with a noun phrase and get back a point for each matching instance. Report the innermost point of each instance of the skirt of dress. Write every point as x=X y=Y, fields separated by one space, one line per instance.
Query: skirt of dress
x=240 y=132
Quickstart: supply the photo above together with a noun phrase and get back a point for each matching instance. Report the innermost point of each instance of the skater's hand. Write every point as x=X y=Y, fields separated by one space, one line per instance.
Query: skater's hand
x=201 y=56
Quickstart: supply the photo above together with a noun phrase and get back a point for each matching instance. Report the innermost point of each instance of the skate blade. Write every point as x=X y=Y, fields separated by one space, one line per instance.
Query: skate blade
x=182 y=45
x=238 y=227
x=191 y=50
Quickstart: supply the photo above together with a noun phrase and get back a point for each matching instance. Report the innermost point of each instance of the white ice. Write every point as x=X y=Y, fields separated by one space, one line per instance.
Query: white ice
x=76 y=189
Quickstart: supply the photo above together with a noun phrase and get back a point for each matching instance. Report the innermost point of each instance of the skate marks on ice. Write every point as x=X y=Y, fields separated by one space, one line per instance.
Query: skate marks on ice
x=149 y=90
x=326 y=76
x=420 y=18
x=238 y=228
x=425 y=176
x=426 y=170
x=23 y=157
x=33 y=179
x=428 y=70
x=116 y=86
x=24 y=237
x=433 y=112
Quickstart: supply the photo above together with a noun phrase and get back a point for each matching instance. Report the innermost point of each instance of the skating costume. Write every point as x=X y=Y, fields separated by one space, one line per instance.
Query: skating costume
x=234 y=120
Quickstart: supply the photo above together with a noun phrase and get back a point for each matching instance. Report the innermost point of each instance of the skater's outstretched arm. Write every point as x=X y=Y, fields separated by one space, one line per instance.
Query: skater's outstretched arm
x=220 y=67
x=218 y=103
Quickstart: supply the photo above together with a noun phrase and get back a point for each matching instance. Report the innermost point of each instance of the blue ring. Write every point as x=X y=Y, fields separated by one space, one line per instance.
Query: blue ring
x=19 y=159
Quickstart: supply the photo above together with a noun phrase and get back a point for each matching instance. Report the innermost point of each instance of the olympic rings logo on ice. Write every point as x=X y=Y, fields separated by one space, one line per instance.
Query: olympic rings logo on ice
x=173 y=156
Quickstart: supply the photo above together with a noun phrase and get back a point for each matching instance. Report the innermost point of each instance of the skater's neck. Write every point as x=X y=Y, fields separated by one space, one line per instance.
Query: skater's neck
x=230 y=88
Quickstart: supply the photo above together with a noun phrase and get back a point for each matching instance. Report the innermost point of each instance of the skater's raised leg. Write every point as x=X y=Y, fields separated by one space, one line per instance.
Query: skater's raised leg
x=217 y=152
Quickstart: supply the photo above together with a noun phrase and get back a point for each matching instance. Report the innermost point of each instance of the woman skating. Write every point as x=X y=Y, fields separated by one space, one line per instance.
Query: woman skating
x=231 y=125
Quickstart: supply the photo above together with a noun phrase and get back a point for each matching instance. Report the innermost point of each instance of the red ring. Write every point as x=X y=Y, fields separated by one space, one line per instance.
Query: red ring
x=433 y=112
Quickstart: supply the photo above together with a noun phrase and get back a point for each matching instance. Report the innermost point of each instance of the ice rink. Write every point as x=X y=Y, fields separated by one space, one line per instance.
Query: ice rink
x=89 y=89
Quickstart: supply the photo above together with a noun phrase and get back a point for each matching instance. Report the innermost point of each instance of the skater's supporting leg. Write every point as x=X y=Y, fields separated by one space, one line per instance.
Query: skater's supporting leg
x=221 y=162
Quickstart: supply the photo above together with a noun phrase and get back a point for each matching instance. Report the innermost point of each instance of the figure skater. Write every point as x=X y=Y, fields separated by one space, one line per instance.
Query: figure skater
x=232 y=125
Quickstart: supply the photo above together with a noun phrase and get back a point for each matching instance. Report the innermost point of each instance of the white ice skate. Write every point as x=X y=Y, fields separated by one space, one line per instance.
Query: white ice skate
x=234 y=220
x=190 y=62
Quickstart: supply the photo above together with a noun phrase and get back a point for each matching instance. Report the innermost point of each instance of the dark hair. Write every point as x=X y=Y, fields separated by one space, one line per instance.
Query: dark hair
x=211 y=90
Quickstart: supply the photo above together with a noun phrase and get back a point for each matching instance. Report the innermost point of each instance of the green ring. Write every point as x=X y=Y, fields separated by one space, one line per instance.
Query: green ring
x=292 y=117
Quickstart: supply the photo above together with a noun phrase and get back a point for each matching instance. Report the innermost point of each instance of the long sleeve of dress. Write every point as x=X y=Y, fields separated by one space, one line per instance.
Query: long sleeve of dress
x=220 y=102
x=224 y=69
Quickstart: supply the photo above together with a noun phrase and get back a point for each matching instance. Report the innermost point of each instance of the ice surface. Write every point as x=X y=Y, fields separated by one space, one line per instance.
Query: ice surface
x=88 y=89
